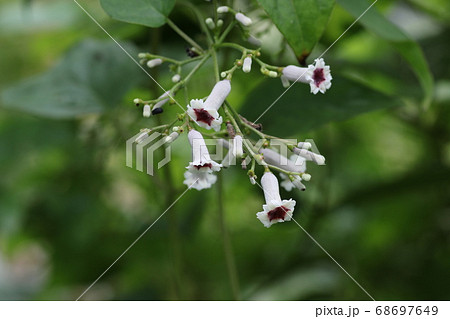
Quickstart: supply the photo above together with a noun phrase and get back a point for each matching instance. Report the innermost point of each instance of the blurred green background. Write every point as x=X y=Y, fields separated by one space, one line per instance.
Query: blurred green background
x=69 y=206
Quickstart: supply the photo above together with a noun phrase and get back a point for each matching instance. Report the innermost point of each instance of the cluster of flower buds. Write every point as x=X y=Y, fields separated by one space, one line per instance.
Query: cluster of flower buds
x=209 y=114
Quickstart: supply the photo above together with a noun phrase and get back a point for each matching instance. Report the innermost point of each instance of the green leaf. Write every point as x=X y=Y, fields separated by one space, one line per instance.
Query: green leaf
x=151 y=13
x=302 y=22
x=92 y=78
x=374 y=21
x=299 y=111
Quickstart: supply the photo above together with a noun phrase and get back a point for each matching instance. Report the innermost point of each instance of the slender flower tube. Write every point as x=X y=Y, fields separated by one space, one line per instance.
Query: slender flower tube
x=275 y=210
x=237 y=149
x=247 y=66
x=199 y=172
x=309 y=156
x=206 y=114
x=146 y=111
x=162 y=102
x=154 y=62
x=318 y=76
x=243 y=19
x=296 y=165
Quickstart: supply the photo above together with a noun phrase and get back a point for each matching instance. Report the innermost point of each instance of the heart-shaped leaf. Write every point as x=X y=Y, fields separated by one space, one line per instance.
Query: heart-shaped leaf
x=151 y=13
x=302 y=22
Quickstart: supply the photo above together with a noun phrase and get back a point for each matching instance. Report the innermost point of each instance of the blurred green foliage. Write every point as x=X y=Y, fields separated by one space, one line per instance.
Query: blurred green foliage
x=69 y=206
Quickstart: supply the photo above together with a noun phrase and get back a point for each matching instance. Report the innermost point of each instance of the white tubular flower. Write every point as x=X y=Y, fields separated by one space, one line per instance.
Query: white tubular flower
x=223 y=9
x=237 y=149
x=172 y=137
x=146 y=111
x=243 y=19
x=206 y=114
x=199 y=180
x=295 y=164
x=295 y=73
x=154 y=62
x=275 y=210
x=310 y=156
x=318 y=76
x=199 y=174
x=247 y=66
x=176 y=78
x=162 y=102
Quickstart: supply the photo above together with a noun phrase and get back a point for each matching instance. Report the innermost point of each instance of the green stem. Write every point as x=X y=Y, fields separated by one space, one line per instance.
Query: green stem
x=227 y=30
x=229 y=257
x=184 y=36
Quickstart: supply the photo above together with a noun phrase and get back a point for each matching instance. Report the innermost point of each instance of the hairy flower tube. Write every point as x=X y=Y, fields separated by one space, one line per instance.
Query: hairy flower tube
x=199 y=174
x=206 y=114
x=318 y=76
x=275 y=210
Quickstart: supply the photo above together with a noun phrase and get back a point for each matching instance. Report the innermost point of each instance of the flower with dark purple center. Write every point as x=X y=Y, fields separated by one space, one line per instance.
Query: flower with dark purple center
x=318 y=76
x=275 y=210
x=205 y=113
x=199 y=174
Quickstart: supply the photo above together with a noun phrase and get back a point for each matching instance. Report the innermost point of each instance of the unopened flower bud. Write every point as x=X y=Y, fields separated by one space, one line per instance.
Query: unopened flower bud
x=247 y=64
x=142 y=55
x=253 y=179
x=222 y=9
x=154 y=62
x=210 y=23
x=304 y=145
x=176 y=78
x=146 y=112
x=219 y=23
x=223 y=74
x=272 y=74
x=296 y=181
x=137 y=101
x=306 y=177
x=243 y=19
